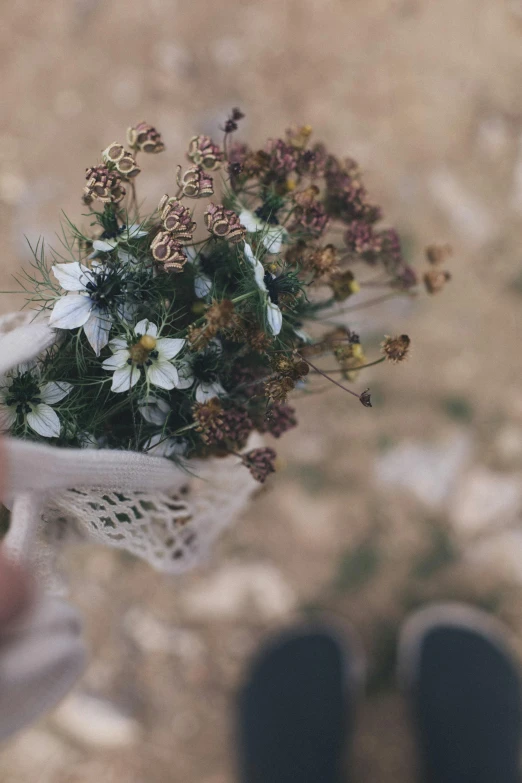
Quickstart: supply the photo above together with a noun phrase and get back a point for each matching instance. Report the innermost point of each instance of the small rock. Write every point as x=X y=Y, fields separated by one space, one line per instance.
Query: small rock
x=153 y=636
x=240 y=588
x=93 y=721
x=484 y=498
x=501 y=553
x=469 y=216
x=429 y=472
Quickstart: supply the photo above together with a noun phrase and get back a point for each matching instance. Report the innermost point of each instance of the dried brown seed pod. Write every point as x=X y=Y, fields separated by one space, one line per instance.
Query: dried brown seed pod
x=168 y=252
x=145 y=137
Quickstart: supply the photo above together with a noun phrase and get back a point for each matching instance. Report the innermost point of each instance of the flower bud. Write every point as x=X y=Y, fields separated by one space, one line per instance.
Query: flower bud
x=203 y=152
x=435 y=280
x=224 y=223
x=168 y=251
x=176 y=219
x=145 y=137
x=195 y=183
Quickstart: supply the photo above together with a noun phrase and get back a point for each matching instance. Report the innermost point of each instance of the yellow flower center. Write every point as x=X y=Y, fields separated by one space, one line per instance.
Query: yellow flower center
x=148 y=342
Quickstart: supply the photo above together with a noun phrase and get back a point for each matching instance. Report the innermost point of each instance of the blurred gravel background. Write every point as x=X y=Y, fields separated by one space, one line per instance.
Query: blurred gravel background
x=375 y=511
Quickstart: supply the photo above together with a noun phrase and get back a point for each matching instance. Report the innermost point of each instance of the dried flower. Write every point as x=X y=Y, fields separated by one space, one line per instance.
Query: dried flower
x=279 y=419
x=176 y=219
x=324 y=261
x=231 y=123
x=104 y=185
x=311 y=219
x=282 y=158
x=123 y=160
x=220 y=314
x=224 y=223
x=145 y=137
x=298 y=137
x=260 y=463
x=209 y=421
x=168 y=251
x=199 y=337
x=277 y=388
x=195 y=183
x=396 y=349
x=203 y=152
x=343 y=285
x=360 y=238
x=435 y=280
x=366 y=399
x=438 y=254
x=237 y=425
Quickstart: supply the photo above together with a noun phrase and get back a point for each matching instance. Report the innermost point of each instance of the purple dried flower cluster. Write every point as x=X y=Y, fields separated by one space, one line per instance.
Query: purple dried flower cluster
x=260 y=463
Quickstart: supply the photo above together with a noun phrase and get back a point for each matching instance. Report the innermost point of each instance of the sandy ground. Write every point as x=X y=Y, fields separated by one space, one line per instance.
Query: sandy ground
x=375 y=512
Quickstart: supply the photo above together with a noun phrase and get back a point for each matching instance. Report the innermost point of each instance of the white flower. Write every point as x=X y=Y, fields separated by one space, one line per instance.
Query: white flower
x=205 y=389
x=159 y=445
x=274 y=315
x=150 y=354
x=155 y=410
x=273 y=236
x=24 y=396
x=126 y=234
x=202 y=282
x=95 y=290
x=202 y=285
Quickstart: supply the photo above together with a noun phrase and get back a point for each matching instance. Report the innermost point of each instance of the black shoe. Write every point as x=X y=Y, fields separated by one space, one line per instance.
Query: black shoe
x=295 y=710
x=465 y=695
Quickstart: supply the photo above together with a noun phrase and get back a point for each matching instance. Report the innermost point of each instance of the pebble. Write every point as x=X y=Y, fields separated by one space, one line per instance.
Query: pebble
x=241 y=588
x=430 y=472
x=151 y=635
x=501 y=553
x=484 y=500
x=95 y=722
x=469 y=216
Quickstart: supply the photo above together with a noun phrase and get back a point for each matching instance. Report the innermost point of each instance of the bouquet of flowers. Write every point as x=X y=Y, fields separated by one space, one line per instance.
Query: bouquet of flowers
x=181 y=333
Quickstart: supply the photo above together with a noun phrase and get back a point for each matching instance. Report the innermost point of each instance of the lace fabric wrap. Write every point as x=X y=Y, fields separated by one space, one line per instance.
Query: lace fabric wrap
x=146 y=505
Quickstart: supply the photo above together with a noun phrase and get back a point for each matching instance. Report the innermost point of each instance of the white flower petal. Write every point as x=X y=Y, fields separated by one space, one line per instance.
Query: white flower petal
x=44 y=421
x=169 y=347
x=202 y=285
x=126 y=258
x=125 y=378
x=146 y=327
x=54 y=392
x=71 y=311
x=154 y=410
x=97 y=330
x=249 y=254
x=161 y=446
x=274 y=317
x=273 y=239
x=259 y=269
x=250 y=221
x=191 y=253
x=72 y=277
x=118 y=359
x=7 y=418
x=104 y=246
x=135 y=232
x=186 y=378
x=117 y=344
x=206 y=391
x=162 y=374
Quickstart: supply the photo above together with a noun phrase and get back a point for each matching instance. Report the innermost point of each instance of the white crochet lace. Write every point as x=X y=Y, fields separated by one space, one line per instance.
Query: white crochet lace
x=142 y=504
